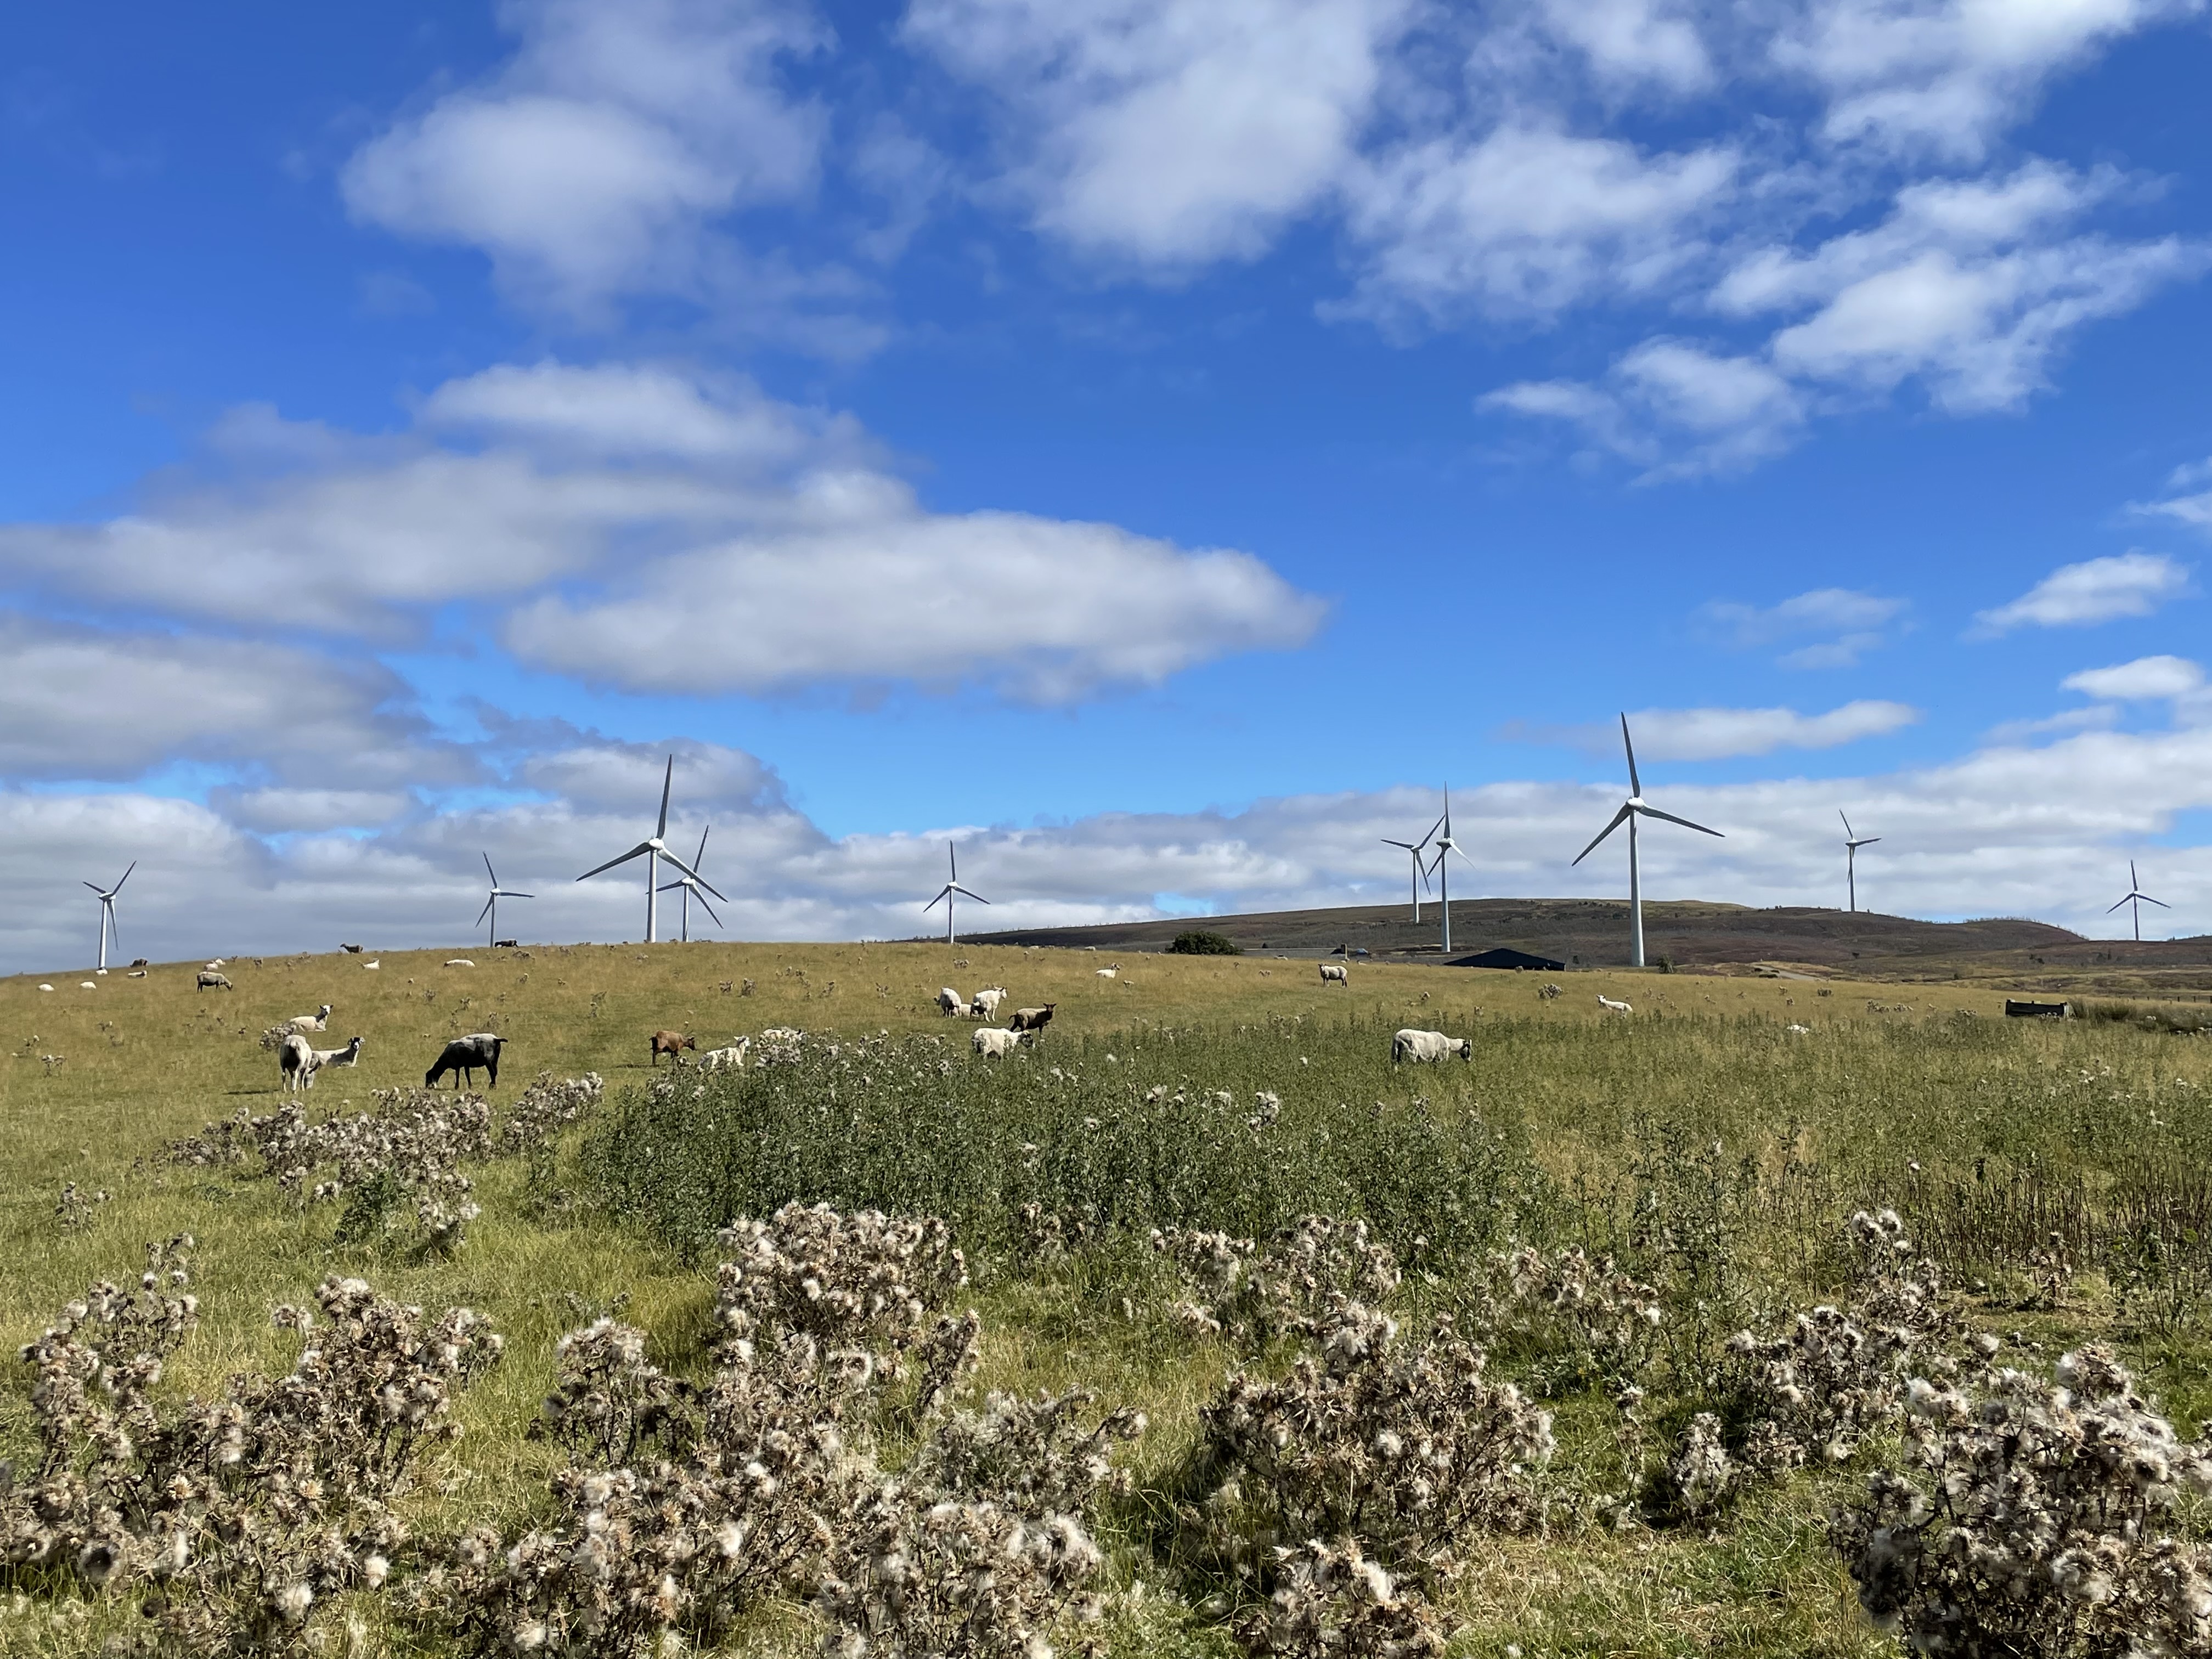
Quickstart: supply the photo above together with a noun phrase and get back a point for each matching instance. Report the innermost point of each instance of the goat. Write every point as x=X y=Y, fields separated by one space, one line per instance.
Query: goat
x=320 y=1021
x=1425 y=1046
x=211 y=981
x=733 y=1057
x=949 y=1002
x=1031 y=1019
x=986 y=1006
x=462 y=1055
x=1335 y=973
x=672 y=1043
x=1611 y=1006
x=991 y=1041
x=295 y=1061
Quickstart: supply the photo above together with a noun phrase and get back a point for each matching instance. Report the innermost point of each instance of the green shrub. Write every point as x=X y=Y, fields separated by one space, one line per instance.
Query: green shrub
x=1200 y=943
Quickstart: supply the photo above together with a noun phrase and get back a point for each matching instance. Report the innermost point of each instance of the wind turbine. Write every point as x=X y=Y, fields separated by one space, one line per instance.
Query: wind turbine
x=691 y=884
x=107 y=913
x=1445 y=847
x=945 y=893
x=1630 y=809
x=653 y=849
x=2136 y=898
x=491 y=904
x=1420 y=874
x=1852 y=857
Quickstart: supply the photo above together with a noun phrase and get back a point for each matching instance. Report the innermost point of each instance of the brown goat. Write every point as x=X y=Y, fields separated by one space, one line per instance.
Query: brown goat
x=672 y=1043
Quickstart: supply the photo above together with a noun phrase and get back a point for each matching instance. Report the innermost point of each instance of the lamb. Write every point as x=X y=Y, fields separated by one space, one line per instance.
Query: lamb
x=462 y=1055
x=990 y=1041
x=348 y=1055
x=211 y=981
x=318 y=1022
x=949 y=1002
x=1335 y=973
x=1426 y=1046
x=295 y=1061
x=733 y=1057
x=672 y=1043
x=1611 y=1006
x=1031 y=1019
x=1115 y=972
x=986 y=1006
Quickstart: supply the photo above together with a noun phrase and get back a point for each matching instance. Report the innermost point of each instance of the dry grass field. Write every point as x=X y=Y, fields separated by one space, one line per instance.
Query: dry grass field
x=1712 y=1143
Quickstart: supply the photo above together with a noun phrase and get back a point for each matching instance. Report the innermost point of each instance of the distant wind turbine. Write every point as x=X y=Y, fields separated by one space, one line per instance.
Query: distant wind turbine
x=1630 y=809
x=1446 y=846
x=2136 y=899
x=1851 y=846
x=653 y=849
x=1420 y=872
x=107 y=913
x=491 y=904
x=945 y=895
x=691 y=884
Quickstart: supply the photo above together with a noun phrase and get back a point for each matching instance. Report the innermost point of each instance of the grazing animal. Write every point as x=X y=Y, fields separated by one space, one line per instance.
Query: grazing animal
x=1611 y=1006
x=1115 y=972
x=217 y=963
x=949 y=1002
x=504 y=945
x=462 y=1055
x=351 y=950
x=348 y=1055
x=986 y=1005
x=320 y=1021
x=295 y=1061
x=1425 y=1046
x=1335 y=973
x=1031 y=1019
x=733 y=1057
x=458 y=962
x=137 y=973
x=140 y=961
x=211 y=981
x=673 y=1043
x=994 y=1043
x=371 y=965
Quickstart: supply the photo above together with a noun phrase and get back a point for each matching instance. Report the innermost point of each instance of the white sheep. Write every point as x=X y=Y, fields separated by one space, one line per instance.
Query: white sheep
x=1612 y=1007
x=460 y=962
x=993 y=1040
x=319 y=1022
x=372 y=966
x=732 y=1057
x=1427 y=1046
x=949 y=1002
x=1335 y=973
x=348 y=1055
x=211 y=981
x=295 y=1060
x=1115 y=972
x=986 y=1005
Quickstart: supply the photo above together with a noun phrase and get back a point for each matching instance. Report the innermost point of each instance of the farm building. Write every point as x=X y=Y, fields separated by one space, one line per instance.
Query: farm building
x=1506 y=956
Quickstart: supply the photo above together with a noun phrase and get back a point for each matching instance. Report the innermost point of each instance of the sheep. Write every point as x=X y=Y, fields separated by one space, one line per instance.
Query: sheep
x=320 y=1021
x=351 y=950
x=986 y=1005
x=1115 y=972
x=458 y=962
x=1611 y=1006
x=949 y=1002
x=295 y=1061
x=371 y=967
x=348 y=1055
x=211 y=981
x=46 y=987
x=1335 y=973
x=991 y=1041
x=733 y=1057
x=135 y=973
x=217 y=963
x=462 y=1055
x=504 y=945
x=1031 y=1019
x=672 y=1043
x=140 y=961
x=1426 y=1046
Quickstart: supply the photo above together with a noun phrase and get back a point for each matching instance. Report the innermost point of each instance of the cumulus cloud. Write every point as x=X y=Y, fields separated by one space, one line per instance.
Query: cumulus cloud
x=1853 y=622
x=1672 y=407
x=1701 y=734
x=2095 y=591
x=2145 y=678
x=647 y=528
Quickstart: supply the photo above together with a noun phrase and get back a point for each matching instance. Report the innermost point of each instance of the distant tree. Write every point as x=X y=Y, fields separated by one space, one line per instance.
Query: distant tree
x=1199 y=942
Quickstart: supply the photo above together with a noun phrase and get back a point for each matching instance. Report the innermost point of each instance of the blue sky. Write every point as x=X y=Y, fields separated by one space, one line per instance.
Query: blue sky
x=1159 y=442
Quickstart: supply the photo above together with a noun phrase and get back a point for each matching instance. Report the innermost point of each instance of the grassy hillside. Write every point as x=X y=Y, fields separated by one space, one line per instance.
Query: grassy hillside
x=1709 y=1147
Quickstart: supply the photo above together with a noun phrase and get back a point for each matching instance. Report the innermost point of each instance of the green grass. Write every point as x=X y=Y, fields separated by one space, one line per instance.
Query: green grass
x=1703 y=1142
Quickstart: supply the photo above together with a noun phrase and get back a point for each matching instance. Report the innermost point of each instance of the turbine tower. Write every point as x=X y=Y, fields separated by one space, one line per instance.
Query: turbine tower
x=945 y=893
x=1851 y=846
x=1420 y=872
x=491 y=904
x=107 y=913
x=691 y=884
x=653 y=849
x=2136 y=899
x=1630 y=809
x=1445 y=847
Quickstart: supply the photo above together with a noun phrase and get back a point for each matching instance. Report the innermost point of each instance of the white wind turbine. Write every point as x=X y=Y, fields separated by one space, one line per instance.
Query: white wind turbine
x=1630 y=809
x=1851 y=845
x=1420 y=872
x=491 y=904
x=653 y=849
x=2136 y=899
x=107 y=913
x=1446 y=846
x=945 y=893
x=691 y=884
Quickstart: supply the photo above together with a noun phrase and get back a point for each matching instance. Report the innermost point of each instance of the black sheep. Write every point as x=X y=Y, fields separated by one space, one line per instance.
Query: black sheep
x=462 y=1055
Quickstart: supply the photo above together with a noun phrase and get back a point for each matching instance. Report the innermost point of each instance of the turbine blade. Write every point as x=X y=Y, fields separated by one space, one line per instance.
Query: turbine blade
x=667 y=781
x=1619 y=818
x=969 y=892
x=1654 y=812
x=486 y=911
x=693 y=874
x=942 y=893
x=2147 y=899
x=1635 y=784
x=2117 y=906
x=488 y=871
x=1427 y=886
x=638 y=851
x=699 y=857
x=126 y=876
x=710 y=910
x=671 y=886
x=1868 y=842
x=505 y=893
x=1847 y=822
x=1433 y=828
x=96 y=888
x=2135 y=881
x=1385 y=839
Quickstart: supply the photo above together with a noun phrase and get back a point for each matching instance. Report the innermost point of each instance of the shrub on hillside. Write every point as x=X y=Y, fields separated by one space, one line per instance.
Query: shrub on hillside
x=1198 y=942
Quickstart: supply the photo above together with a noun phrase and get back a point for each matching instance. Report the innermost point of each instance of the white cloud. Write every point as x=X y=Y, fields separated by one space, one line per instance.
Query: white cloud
x=2185 y=502
x=648 y=529
x=595 y=161
x=2146 y=678
x=1673 y=407
x=1701 y=734
x=1855 y=623
x=2096 y=590
x=1170 y=132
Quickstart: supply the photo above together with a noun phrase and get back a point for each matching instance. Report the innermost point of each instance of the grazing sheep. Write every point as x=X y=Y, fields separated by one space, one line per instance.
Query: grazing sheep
x=1335 y=973
x=320 y=1021
x=1426 y=1046
x=995 y=1043
x=1546 y=993
x=672 y=1043
x=986 y=1006
x=140 y=961
x=1031 y=1019
x=733 y=1057
x=49 y=987
x=211 y=981
x=462 y=1055
x=351 y=950
x=1115 y=972
x=135 y=973
x=1611 y=1006
x=371 y=966
x=949 y=1002
x=504 y=945
x=295 y=1061
x=217 y=963
x=458 y=962
x=348 y=1055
